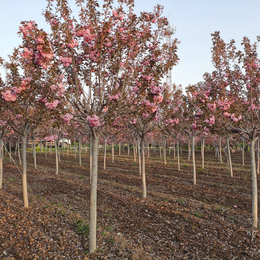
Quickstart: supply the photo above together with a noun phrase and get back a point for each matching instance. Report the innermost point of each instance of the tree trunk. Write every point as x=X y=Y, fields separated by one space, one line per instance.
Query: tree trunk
x=113 y=152
x=229 y=158
x=134 y=150
x=174 y=150
x=80 y=148
x=57 y=158
x=139 y=156
x=160 y=151
x=254 y=185
x=148 y=151
x=178 y=155
x=189 y=152
x=202 y=152
x=164 y=152
x=257 y=169
x=220 y=150
x=24 y=162
x=193 y=161
x=19 y=152
x=143 y=169
x=119 y=149
x=90 y=156
x=10 y=149
x=1 y=164
x=34 y=154
x=93 y=195
x=243 y=152
x=105 y=153
x=128 y=149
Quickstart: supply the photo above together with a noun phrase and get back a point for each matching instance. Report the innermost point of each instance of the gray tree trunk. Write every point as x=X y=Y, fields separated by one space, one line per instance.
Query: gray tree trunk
x=143 y=169
x=257 y=169
x=254 y=185
x=34 y=154
x=164 y=152
x=24 y=162
x=202 y=153
x=80 y=149
x=243 y=152
x=113 y=152
x=139 y=156
x=1 y=164
x=19 y=152
x=56 y=158
x=229 y=158
x=178 y=155
x=105 y=153
x=189 y=152
x=93 y=195
x=220 y=150
x=90 y=156
x=193 y=161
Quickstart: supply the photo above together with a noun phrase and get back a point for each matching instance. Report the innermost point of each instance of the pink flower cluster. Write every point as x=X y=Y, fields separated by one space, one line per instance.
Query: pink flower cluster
x=211 y=120
x=65 y=60
x=234 y=118
x=2 y=123
x=73 y=43
x=174 y=121
x=145 y=115
x=8 y=95
x=212 y=107
x=133 y=122
x=51 y=138
x=156 y=89
x=115 y=97
x=67 y=117
x=93 y=120
x=158 y=98
x=27 y=53
x=27 y=28
x=195 y=127
x=224 y=105
x=52 y=105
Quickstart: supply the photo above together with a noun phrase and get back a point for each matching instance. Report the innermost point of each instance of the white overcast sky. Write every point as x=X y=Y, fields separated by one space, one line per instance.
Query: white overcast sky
x=195 y=21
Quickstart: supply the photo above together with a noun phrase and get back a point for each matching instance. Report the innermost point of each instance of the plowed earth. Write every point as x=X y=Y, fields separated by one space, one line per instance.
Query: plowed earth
x=176 y=221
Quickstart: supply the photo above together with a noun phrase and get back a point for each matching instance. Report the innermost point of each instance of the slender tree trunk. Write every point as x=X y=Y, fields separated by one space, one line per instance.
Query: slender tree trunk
x=243 y=152
x=254 y=185
x=45 y=150
x=113 y=152
x=148 y=151
x=80 y=149
x=143 y=169
x=160 y=150
x=41 y=146
x=15 y=150
x=19 y=152
x=257 y=169
x=90 y=156
x=202 y=152
x=10 y=150
x=128 y=149
x=174 y=150
x=193 y=161
x=119 y=149
x=24 y=161
x=139 y=156
x=189 y=152
x=229 y=158
x=134 y=150
x=164 y=152
x=93 y=195
x=34 y=154
x=75 y=149
x=220 y=150
x=1 y=164
x=105 y=153
x=56 y=157
x=178 y=155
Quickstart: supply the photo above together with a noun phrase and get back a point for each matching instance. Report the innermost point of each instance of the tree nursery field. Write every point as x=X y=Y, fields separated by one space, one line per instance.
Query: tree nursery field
x=177 y=220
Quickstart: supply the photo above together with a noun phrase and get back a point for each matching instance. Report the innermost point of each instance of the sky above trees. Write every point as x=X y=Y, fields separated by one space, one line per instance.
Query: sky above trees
x=195 y=21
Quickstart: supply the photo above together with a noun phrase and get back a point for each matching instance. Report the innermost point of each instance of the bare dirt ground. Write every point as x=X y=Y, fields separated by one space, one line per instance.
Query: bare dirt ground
x=176 y=221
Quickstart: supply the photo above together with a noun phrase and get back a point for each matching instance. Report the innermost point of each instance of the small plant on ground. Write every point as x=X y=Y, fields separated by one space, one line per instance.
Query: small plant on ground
x=82 y=227
x=180 y=202
x=198 y=215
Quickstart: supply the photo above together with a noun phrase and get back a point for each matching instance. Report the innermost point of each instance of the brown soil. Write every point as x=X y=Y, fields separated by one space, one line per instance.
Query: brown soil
x=176 y=221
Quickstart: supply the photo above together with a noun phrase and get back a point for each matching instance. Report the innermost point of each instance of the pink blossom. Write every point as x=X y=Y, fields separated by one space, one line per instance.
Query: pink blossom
x=50 y=138
x=67 y=117
x=133 y=122
x=52 y=105
x=145 y=115
x=115 y=14
x=8 y=95
x=211 y=120
x=212 y=107
x=158 y=98
x=115 y=97
x=93 y=121
x=105 y=109
x=226 y=114
x=65 y=60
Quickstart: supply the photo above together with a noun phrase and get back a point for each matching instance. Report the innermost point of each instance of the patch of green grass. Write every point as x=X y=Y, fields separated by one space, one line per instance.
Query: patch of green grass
x=231 y=218
x=82 y=177
x=109 y=228
x=111 y=240
x=197 y=214
x=180 y=201
x=103 y=233
x=82 y=227
x=59 y=205
x=52 y=203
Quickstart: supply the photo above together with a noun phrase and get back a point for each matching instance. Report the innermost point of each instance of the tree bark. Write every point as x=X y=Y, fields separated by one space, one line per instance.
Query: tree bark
x=105 y=153
x=178 y=155
x=139 y=157
x=254 y=185
x=143 y=169
x=134 y=150
x=229 y=158
x=24 y=162
x=243 y=152
x=193 y=161
x=1 y=164
x=189 y=152
x=56 y=158
x=19 y=152
x=113 y=152
x=80 y=148
x=164 y=152
x=257 y=169
x=10 y=150
x=93 y=195
x=202 y=153
x=34 y=154
x=220 y=150
x=90 y=156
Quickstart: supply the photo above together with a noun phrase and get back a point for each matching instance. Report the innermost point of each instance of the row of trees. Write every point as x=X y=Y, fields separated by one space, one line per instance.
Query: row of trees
x=102 y=72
